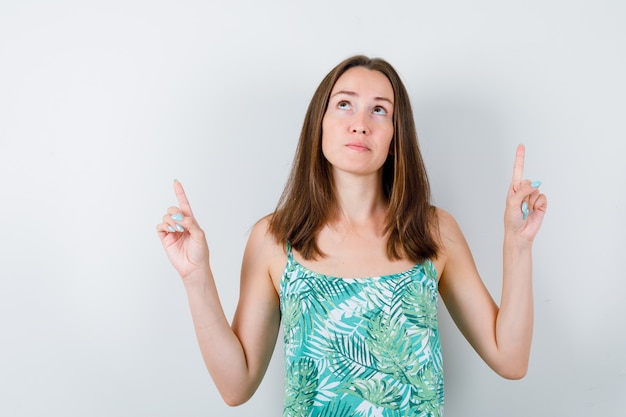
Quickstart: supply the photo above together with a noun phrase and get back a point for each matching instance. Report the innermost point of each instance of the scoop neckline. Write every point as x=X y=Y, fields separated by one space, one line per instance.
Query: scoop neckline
x=375 y=277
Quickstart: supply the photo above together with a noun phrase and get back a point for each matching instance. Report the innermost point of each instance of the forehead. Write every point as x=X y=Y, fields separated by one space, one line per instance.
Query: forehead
x=364 y=82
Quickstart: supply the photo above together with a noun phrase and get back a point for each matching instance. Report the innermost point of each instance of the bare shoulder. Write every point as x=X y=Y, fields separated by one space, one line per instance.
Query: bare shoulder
x=262 y=239
x=450 y=239
x=260 y=233
x=448 y=228
x=265 y=252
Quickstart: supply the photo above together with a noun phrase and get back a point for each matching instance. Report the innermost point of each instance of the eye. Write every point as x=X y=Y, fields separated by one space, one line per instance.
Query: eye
x=380 y=110
x=344 y=105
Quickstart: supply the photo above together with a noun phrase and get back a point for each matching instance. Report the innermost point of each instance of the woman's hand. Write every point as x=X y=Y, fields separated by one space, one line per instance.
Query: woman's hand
x=182 y=238
x=525 y=205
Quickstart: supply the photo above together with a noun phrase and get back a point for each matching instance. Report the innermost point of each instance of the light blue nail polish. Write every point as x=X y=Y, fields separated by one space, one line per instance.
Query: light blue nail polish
x=177 y=217
x=524 y=210
x=180 y=228
x=171 y=229
x=535 y=184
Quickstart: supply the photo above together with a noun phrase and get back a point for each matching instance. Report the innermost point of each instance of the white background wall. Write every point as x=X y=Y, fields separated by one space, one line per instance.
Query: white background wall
x=104 y=103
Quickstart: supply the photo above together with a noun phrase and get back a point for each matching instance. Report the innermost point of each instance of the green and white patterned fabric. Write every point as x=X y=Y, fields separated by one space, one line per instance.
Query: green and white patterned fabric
x=361 y=347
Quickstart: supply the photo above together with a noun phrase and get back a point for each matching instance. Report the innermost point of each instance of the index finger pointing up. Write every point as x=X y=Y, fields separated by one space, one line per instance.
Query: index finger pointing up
x=183 y=203
x=518 y=167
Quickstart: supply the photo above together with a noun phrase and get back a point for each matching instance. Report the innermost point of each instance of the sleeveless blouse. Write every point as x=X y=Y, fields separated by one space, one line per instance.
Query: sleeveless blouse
x=361 y=346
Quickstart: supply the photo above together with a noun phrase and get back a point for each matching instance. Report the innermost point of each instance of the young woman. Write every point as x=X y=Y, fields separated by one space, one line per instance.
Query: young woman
x=352 y=261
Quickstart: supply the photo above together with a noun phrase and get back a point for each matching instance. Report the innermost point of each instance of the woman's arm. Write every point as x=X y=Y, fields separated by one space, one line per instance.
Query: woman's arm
x=236 y=357
x=501 y=336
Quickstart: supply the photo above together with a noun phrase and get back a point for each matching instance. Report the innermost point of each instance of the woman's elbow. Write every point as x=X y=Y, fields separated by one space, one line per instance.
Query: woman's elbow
x=236 y=398
x=513 y=371
x=235 y=401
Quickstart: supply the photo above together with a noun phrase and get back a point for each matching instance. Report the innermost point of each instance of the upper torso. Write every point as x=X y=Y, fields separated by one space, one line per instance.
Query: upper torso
x=348 y=257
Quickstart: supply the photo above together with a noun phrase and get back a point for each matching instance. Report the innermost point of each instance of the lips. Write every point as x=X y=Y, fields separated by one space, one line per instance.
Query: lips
x=357 y=146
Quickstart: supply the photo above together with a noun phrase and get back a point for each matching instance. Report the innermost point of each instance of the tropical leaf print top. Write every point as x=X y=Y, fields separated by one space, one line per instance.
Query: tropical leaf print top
x=361 y=347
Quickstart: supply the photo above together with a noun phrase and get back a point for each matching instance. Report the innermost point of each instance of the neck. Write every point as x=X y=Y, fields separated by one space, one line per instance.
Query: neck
x=360 y=200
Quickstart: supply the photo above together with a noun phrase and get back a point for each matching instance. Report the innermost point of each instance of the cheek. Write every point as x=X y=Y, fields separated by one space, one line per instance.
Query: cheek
x=329 y=132
x=390 y=137
x=324 y=143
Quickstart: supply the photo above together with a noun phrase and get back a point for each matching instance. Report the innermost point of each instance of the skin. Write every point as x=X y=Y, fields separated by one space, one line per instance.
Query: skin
x=357 y=130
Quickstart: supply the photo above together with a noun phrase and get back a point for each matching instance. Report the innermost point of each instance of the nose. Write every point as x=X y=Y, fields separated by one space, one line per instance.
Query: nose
x=359 y=124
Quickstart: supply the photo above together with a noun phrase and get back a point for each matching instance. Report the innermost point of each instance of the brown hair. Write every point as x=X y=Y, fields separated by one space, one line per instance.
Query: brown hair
x=308 y=199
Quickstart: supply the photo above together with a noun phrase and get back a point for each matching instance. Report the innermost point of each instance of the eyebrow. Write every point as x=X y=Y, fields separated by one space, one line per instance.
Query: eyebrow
x=352 y=93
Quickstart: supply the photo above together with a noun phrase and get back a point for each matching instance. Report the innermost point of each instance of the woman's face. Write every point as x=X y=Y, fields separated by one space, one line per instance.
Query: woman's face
x=357 y=127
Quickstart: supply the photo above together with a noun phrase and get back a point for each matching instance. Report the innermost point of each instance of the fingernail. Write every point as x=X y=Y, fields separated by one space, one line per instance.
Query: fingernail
x=175 y=180
x=535 y=184
x=171 y=229
x=524 y=210
x=177 y=217
x=180 y=228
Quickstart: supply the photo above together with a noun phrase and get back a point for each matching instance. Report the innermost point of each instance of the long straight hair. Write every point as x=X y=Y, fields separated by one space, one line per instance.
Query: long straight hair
x=308 y=199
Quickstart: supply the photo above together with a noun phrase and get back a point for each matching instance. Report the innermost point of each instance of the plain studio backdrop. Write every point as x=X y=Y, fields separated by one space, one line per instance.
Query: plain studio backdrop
x=104 y=103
